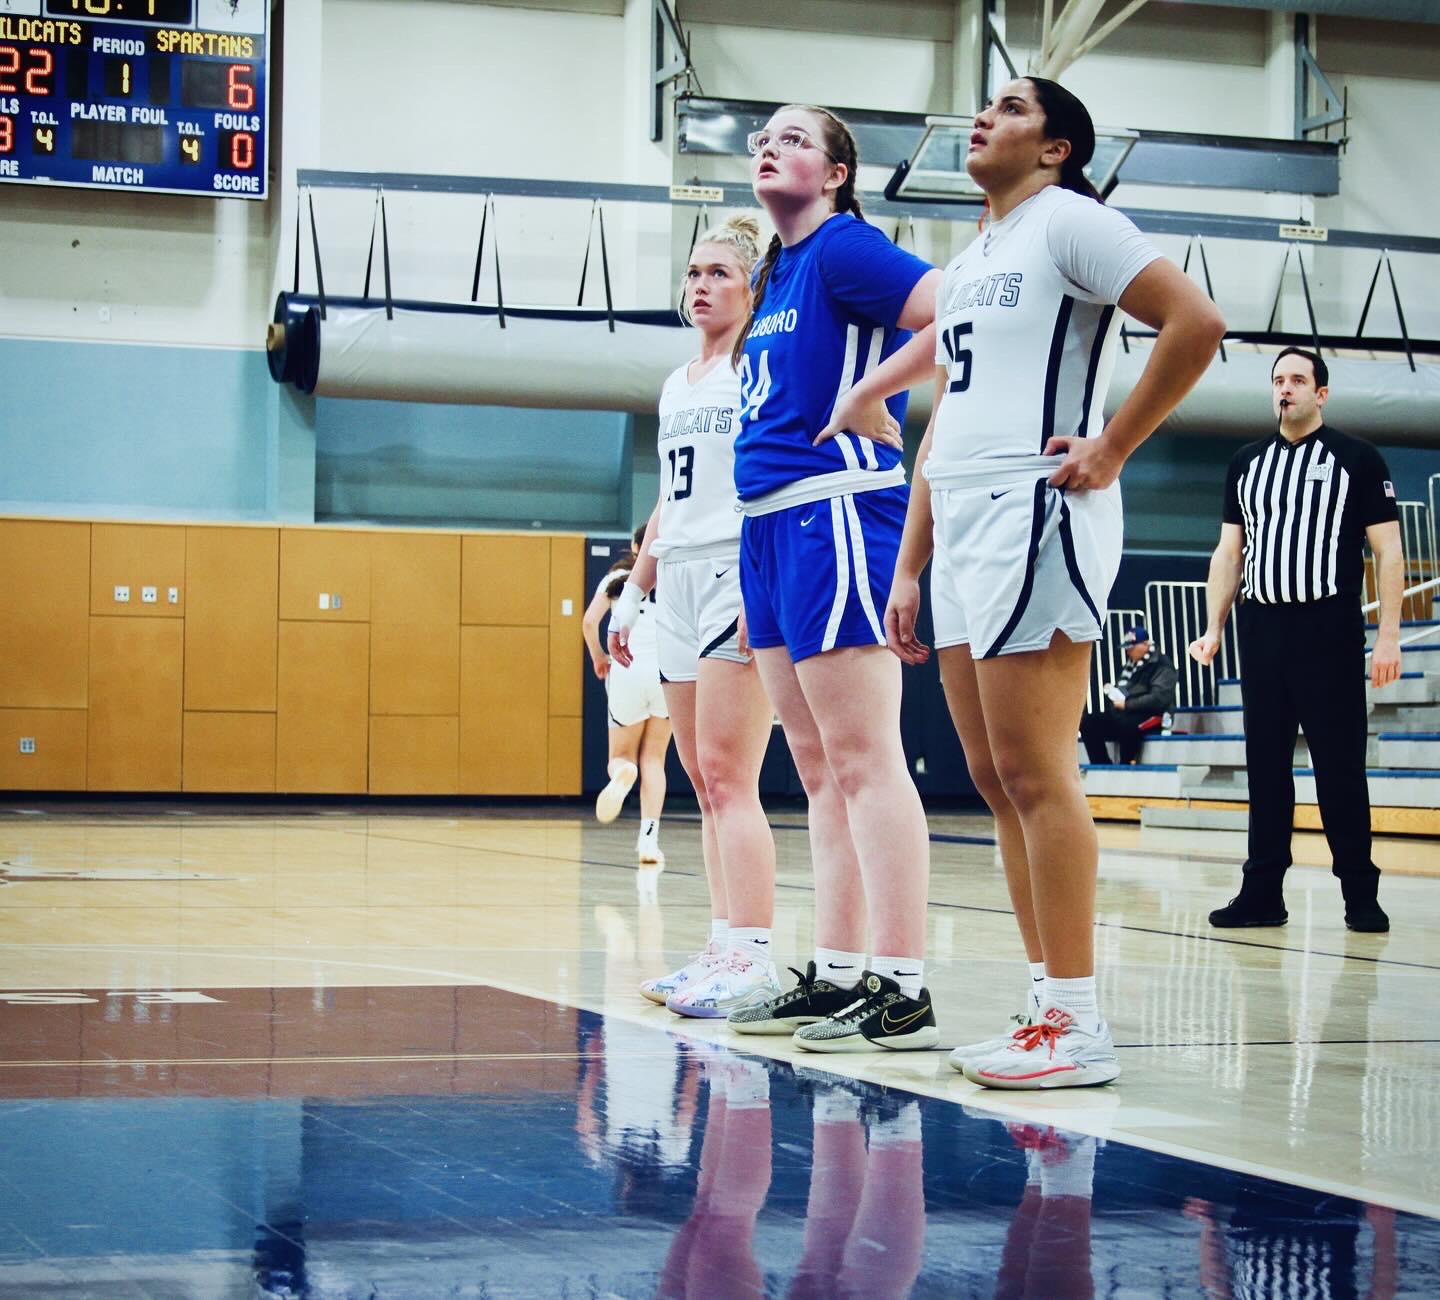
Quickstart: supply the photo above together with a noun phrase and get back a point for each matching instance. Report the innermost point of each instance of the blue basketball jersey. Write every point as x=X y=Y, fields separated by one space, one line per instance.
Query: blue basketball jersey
x=827 y=320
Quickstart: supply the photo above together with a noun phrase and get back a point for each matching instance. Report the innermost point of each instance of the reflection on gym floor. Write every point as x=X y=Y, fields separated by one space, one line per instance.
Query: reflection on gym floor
x=449 y=1141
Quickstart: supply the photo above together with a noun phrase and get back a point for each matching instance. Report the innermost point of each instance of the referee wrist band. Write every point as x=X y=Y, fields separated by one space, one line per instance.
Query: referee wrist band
x=627 y=606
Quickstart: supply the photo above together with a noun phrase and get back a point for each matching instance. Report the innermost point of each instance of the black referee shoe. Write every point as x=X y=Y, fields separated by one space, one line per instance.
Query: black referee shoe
x=1363 y=912
x=1245 y=913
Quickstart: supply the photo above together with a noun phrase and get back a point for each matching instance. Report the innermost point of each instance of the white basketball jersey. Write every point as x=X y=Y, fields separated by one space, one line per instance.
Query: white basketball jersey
x=698 y=424
x=1026 y=327
x=642 y=641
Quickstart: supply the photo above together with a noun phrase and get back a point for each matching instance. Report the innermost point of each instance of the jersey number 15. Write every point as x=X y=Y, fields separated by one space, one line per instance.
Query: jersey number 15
x=958 y=356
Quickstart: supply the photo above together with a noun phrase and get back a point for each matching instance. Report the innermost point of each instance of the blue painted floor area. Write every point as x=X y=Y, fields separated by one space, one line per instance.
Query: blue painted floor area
x=418 y=1142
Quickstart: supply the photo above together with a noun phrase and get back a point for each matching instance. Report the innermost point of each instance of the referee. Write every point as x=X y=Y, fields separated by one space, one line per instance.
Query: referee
x=1298 y=507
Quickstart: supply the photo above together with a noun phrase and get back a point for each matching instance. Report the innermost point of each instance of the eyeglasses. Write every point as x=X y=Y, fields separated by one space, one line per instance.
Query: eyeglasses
x=791 y=140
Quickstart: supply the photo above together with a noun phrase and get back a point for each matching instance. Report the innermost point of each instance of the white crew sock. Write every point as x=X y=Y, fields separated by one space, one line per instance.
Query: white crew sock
x=1035 y=998
x=840 y=968
x=1077 y=996
x=900 y=1128
x=719 y=933
x=907 y=972
x=1074 y=1175
x=649 y=826
x=750 y=941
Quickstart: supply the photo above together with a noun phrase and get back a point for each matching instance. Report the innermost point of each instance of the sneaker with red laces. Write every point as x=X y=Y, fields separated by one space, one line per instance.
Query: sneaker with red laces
x=1054 y=1052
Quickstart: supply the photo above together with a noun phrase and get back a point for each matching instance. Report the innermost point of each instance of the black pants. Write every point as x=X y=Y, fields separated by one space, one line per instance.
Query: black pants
x=1302 y=667
x=1121 y=727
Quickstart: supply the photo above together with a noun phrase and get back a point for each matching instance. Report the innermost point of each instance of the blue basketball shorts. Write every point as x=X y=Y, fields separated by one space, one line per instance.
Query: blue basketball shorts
x=816 y=577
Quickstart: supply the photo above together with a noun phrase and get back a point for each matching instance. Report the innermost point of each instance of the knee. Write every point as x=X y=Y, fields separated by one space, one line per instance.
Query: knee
x=989 y=786
x=813 y=770
x=725 y=783
x=1023 y=786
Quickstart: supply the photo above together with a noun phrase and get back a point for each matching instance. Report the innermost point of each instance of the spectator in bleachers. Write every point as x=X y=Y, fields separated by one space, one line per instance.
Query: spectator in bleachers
x=1135 y=705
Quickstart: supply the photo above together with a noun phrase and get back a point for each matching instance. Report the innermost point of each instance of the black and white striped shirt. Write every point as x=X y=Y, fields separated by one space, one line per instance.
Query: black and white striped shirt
x=1305 y=507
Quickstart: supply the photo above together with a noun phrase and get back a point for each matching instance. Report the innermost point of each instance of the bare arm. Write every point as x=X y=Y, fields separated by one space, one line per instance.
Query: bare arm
x=642 y=576
x=1226 y=565
x=1189 y=328
x=1384 y=540
x=916 y=545
x=862 y=409
x=590 y=630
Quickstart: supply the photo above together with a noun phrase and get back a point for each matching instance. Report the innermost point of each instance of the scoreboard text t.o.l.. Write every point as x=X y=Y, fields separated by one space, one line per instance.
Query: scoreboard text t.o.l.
x=163 y=95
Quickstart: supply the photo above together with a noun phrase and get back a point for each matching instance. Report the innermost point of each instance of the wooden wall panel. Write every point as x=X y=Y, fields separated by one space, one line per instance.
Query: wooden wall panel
x=414 y=755
x=415 y=669
x=415 y=578
x=322 y=719
x=505 y=580
x=133 y=739
x=58 y=760
x=229 y=753
x=567 y=643
x=44 y=614
x=333 y=561
x=137 y=556
x=564 y=757
x=504 y=721
x=232 y=578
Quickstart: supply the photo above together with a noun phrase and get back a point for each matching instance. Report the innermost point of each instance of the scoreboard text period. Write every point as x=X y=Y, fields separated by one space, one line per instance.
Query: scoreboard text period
x=163 y=95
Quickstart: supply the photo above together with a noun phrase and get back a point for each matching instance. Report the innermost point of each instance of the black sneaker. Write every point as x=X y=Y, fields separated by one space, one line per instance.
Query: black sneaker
x=810 y=1000
x=882 y=1019
x=1245 y=913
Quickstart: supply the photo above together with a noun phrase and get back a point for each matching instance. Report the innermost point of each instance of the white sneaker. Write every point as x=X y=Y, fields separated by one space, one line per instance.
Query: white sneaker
x=647 y=844
x=967 y=1052
x=737 y=980
x=1052 y=1053
x=657 y=990
x=610 y=799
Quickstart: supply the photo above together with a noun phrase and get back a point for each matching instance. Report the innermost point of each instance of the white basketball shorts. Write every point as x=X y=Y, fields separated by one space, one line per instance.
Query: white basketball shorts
x=697 y=614
x=634 y=693
x=1017 y=560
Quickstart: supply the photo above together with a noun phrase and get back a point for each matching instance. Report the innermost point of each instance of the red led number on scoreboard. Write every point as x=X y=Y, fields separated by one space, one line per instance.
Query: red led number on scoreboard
x=242 y=151
x=7 y=134
x=240 y=93
x=42 y=64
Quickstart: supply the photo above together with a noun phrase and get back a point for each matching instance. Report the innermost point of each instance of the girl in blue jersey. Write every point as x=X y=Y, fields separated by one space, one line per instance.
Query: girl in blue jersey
x=1015 y=494
x=833 y=299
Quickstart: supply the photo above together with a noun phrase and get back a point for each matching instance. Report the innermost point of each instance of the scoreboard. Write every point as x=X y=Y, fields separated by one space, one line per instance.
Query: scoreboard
x=164 y=95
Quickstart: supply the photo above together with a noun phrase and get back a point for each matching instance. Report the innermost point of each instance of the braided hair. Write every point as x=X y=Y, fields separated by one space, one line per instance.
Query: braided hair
x=838 y=141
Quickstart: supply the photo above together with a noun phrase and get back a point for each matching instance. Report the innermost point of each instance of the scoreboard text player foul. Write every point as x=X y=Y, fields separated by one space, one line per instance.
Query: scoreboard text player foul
x=163 y=95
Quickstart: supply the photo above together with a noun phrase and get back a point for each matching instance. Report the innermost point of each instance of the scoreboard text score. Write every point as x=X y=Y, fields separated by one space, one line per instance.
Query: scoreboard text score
x=163 y=95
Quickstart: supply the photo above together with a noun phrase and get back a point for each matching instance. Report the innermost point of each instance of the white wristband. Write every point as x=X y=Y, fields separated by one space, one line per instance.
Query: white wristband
x=626 y=608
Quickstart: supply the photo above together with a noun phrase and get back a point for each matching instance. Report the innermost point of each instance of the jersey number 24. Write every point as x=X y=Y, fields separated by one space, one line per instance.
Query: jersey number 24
x=754 y=388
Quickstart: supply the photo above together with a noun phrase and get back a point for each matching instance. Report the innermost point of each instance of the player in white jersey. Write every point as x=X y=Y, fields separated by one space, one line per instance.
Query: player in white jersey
x=1016 y=494
x=639 y=722
x=690 y=554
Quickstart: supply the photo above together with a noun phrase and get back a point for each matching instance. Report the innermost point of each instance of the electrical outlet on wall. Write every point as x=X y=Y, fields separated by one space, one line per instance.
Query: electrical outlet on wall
x=27 y=744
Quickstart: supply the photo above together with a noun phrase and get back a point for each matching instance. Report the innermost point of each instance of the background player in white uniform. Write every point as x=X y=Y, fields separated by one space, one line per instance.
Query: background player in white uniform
x=639 y=730
x=717 y=703
x=833 y=298
x=1017 y=496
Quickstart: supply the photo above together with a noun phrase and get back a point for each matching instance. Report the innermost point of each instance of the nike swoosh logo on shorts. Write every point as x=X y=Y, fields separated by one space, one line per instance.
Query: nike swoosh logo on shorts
x=893 y=1026
x=805 y=523
x=995 y=496
x=721 y=574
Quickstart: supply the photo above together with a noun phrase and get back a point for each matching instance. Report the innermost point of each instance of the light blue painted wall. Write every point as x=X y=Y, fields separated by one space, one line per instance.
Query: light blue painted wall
x=144 y=432
x=472 y=466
